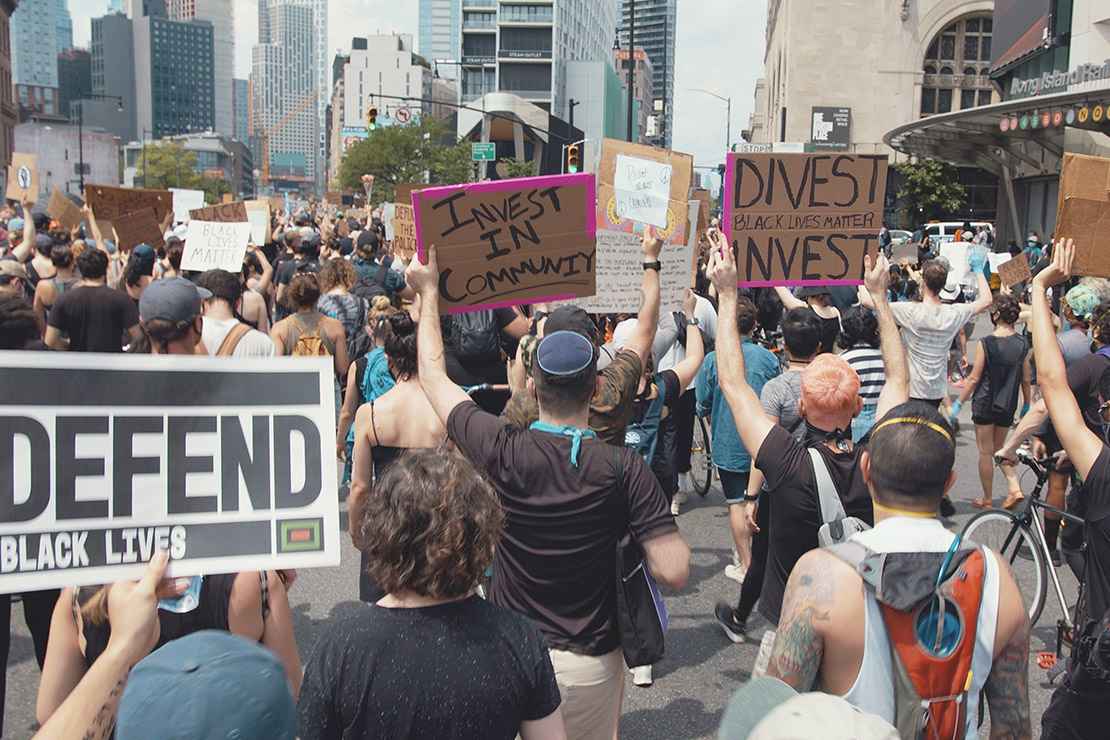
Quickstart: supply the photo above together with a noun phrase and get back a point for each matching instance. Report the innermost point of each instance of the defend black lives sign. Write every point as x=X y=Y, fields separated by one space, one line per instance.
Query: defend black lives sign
x=228 y=464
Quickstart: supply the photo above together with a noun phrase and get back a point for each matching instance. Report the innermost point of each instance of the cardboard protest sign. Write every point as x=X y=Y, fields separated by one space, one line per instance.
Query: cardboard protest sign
x=404 y=231
x=277 y=203
x=185 y=201
x=139 y=228
x=705 y=203
x=258 y=215
x=620 y=272
x=23 y=178
x=1088 y=223
x=510 y=242
x=1084 y=212
x=404 y=190
x=803 y=219
x=216 y=245
x=1014 y=271
x=333 y=197
x=145 y=453
x=224 y=213
x=63 y=210
x=110 y=203
x=645 y=185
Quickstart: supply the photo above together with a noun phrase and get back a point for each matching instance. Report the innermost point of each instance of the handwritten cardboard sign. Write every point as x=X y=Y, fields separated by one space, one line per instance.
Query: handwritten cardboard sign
x=404 y=231
x=185 y=201
x=1015 y=270
x=258 y=215
x=225 y=213
x=1085 y=212
x=109 y=203
x=63 y=210
x=633 y=180
x=215 y=245
x=803 y=219
x=138 y=228
x=23 y=177
x=510 y=242
x=404 y=191
x=705 y=204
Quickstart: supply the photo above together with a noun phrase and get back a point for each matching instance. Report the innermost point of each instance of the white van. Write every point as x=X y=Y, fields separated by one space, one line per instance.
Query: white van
x=945 y=231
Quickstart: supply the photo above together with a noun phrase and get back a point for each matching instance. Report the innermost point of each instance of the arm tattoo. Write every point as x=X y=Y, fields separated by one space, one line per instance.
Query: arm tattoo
x=105 y=720
x=1007 y=689
x=796 y=656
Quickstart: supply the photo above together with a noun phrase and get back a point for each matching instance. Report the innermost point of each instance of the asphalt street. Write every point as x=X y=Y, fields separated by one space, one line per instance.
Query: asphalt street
x=693 y=683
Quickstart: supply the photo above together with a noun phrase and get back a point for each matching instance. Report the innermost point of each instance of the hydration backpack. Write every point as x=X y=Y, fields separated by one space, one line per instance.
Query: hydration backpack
x=930 y=605
x=476 y=335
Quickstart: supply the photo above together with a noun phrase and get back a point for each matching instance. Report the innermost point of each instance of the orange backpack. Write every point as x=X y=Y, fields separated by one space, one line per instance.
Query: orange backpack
x=931 y=622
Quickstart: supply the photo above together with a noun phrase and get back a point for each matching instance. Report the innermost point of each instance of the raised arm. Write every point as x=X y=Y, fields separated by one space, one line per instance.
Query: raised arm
x=1082 y=446
x=752 y=424
x=26 y=249
x=441 y=392
x=267 y=276
x=984 y=300
x=896 y=390
x=789 y=300
x=648 y=319
x=98 y=238
x=688 y=369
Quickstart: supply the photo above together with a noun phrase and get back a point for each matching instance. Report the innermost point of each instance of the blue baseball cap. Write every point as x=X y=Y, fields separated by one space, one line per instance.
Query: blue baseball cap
x=209 y=684
x=565 y=355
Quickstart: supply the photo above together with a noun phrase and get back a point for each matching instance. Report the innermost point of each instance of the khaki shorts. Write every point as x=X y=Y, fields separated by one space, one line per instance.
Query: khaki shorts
x=592 y=688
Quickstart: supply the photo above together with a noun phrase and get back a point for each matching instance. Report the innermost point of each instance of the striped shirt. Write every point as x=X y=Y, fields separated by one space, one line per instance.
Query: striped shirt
x=868 y=364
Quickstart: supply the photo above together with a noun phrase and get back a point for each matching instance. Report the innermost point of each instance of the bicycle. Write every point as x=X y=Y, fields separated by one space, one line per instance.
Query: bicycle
x=1018 y=536
x=701 y=458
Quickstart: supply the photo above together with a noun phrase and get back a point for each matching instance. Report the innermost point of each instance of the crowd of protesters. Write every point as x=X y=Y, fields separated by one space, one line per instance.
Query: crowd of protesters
x=517 y=478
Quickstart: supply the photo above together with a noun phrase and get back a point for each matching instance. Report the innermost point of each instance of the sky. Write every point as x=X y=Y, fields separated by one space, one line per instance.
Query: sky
x=719 y=48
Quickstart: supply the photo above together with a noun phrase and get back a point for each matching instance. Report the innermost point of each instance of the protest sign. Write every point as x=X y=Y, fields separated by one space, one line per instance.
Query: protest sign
x=148 y=452
x=705 y=203
x=225 y=213
x=389 y=212
x=227 y=198
x=803 y=219
x=959 y=266
x=1087 y=221
x=258 y=215
x=620 y=272
x=110 y=203
x=511 y=242
x=185 y=201
x=334 y=197
x=23 y=178
x=1014 y=271
x=212 y=245
x=404 y=231
x=1084 y=212
x=138 y=228
x=63 y=210
x=277 y=203
x=997 y=259
x=646 y=185
x=404 y=190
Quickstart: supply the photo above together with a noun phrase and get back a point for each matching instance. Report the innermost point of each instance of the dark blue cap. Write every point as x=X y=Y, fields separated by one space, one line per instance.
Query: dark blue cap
x=565 y=354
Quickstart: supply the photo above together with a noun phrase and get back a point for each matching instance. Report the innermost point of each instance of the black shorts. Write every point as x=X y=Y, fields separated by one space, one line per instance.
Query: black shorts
x=986 y=416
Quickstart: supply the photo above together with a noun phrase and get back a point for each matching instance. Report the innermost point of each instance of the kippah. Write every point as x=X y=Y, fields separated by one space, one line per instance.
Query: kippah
x=564 y=354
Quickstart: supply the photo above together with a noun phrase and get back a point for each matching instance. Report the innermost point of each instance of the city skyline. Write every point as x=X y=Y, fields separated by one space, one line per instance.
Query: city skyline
x=725 y=62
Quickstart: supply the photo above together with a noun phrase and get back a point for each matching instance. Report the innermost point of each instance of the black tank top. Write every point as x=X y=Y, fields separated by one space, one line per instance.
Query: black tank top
x=830 y=331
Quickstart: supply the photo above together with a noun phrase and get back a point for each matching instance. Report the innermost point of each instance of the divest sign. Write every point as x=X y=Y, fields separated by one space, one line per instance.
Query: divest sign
x=228 y=464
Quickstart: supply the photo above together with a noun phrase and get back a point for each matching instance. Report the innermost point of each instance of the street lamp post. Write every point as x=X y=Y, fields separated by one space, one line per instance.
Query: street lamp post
x=80 y=106
x=728 y=123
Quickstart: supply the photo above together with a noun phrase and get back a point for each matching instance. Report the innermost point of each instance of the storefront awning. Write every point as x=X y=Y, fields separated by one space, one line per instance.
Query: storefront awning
x=979 y=137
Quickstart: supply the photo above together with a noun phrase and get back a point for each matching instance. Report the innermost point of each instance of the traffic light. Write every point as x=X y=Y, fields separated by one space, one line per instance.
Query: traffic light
x=574 y=158
x=372 y=119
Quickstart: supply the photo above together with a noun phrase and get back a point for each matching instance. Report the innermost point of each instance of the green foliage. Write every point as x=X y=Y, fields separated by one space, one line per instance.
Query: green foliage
x=514 y=169
x=931 y=189
x=405 y=154
x=170 y=165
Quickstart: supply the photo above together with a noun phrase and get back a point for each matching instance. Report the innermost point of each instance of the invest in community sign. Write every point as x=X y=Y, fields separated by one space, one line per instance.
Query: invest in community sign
x=104 y=459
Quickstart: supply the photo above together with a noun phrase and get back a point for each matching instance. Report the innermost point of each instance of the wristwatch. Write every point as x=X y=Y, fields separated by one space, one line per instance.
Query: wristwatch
x=751 y=499
x=656 y=265
x=693 y=322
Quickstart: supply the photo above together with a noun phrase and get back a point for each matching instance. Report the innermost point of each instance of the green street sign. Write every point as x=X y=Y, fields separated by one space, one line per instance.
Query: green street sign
x=483 y=152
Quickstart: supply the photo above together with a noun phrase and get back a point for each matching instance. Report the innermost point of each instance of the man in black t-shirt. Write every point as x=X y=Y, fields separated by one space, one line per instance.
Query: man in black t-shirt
x=568 y=499
x=93 y=317
x=830 y=400
x=1075 y=710
x=307 y=260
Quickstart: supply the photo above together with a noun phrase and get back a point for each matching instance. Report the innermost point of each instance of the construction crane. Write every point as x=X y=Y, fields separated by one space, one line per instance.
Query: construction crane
x=277 y=128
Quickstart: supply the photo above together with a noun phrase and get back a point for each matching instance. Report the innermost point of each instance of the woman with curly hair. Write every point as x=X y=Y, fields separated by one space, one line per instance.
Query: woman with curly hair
x=337 y=278
x=307 y=330
x=1001 y=369
x=429 y=527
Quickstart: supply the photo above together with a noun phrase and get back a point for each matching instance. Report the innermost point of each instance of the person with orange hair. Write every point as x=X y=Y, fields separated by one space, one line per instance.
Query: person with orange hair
x=830 y=400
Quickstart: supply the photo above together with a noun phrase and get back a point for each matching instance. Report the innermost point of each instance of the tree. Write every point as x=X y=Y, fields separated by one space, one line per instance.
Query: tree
x=930 y=190
x=405 y=154
x=169 y=165
x=514 y=168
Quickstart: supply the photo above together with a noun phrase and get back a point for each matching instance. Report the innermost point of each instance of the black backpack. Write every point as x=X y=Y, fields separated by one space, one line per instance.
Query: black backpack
x=359 y=343
x=476 y=335
x=369 y=288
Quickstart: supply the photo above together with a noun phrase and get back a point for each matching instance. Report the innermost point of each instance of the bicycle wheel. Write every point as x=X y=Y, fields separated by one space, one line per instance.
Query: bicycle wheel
x=1003 y=533
x=701 y=459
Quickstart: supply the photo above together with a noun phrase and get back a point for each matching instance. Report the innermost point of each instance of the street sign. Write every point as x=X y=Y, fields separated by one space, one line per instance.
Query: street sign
x=483 y=152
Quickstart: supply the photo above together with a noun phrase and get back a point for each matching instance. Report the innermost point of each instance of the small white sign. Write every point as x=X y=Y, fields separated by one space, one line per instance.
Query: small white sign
x=643 y=190
x=185 y=201
x=259 y=219
x=997 y=260
x=216 y=246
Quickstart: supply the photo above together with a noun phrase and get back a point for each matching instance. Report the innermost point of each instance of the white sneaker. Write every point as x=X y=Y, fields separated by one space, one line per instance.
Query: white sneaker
x=641 y=675
x=684 y=483
x=735 y=572
x=679 y=499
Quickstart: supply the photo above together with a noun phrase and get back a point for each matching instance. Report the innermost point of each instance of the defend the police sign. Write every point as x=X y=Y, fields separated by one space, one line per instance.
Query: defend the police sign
x=228 y=464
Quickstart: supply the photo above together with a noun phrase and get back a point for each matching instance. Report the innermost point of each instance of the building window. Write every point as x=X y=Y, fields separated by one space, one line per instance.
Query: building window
x=963 y=46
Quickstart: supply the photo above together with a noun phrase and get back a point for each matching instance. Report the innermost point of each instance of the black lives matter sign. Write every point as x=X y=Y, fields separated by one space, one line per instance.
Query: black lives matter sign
x=804 y=219
x=512 y=242
x=228 y=464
